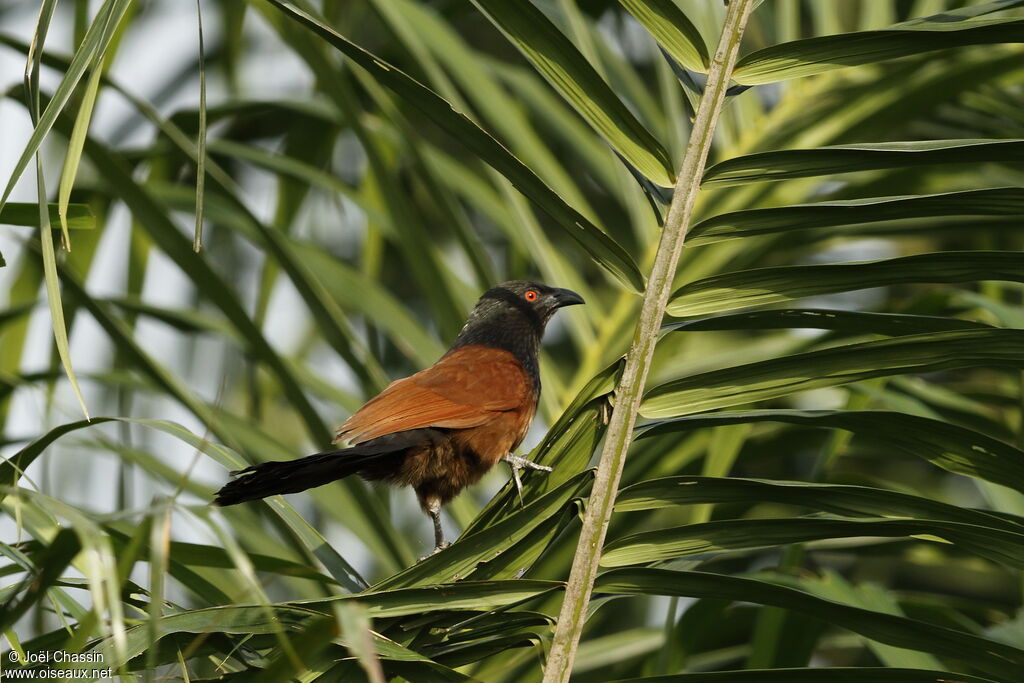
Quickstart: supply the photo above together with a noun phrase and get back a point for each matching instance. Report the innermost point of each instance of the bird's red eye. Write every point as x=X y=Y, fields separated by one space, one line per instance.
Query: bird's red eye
x=531 y=295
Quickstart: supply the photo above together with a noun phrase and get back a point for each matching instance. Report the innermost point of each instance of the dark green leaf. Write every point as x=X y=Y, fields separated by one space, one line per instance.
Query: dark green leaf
x=857 y=501
x=759 y=286
x=1005 y=201
x=946 y=445
x=890 y=324
x=809 y=56
x=464 y=595
x=835 y=366
x=568 y=71
x=673 y=31
x=999 y=545
x=804 y=163
x=80 y=216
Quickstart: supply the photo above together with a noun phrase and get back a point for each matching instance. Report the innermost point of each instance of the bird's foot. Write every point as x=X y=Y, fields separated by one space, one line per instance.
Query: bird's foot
x=435 y=551
x=518 y=462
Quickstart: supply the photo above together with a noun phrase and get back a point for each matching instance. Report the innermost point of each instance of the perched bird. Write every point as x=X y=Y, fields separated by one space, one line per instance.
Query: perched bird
x=443 y=428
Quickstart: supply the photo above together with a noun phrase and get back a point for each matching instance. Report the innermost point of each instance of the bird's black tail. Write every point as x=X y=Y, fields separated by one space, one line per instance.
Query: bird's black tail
x=292 y=476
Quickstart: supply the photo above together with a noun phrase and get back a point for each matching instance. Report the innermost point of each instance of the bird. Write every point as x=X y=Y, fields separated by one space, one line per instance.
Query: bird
x=440 y=429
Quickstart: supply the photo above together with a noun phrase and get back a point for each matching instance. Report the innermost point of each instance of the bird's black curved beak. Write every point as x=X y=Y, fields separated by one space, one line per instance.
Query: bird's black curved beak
x=567 y=297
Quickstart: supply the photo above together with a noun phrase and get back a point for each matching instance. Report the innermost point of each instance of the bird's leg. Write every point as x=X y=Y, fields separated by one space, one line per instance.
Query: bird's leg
x=518 y=462
x=434 y=510
x=517 y=480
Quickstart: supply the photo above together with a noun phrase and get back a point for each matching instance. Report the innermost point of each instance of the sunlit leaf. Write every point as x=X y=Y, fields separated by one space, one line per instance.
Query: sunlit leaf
x=570 y=73
x=1007 y=201
x=835 y=366
x=760 y=286
x=79 y=216
x=894 y=324
x=949 y=446
x=834 y=159
x=849 y=501
x=810 y=56
x=673 y=31
x=726 y=535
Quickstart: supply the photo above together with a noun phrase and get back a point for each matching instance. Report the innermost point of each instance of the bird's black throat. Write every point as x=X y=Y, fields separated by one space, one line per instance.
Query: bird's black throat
x=507 y=323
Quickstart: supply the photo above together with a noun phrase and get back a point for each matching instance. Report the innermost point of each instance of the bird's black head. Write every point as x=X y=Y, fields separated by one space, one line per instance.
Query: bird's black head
x=512 y=316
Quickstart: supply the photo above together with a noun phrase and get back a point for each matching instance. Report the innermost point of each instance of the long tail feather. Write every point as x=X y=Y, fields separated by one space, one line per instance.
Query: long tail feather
x=292 y=476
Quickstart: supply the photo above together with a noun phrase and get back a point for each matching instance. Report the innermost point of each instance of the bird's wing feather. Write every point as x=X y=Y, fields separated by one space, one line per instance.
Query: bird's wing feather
x=464 y=389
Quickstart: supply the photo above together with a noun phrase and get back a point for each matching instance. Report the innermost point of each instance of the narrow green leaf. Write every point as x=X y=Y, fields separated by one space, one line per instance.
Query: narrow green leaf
x=761 y=286
x=197 y=242
x=60 y=332
x=416 y=671
x=998 y=545
x=463 y=595
x=673 y=31
x=79 y=216
x=946 y=445
x=96 y=40
x=32 y=101
x=74 y=153
x=835 y=366
x=816 y=55
x=301 y=656
x=857 y=322
x=81 y=129
x=188 y=320
x=599 y=245
x=1005 y=201
x=834 y=159
x=855 y=501
x=569 y=72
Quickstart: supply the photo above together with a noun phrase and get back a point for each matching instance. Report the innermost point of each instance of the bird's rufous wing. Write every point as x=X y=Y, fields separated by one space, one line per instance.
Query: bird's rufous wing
x=464 y=389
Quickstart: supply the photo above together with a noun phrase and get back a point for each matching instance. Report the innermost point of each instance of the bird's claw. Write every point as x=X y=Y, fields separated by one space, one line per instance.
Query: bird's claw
x=517 y=462
x=435 y=551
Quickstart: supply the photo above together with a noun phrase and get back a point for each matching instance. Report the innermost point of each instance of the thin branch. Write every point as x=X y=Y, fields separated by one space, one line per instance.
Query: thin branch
x=630 y=390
